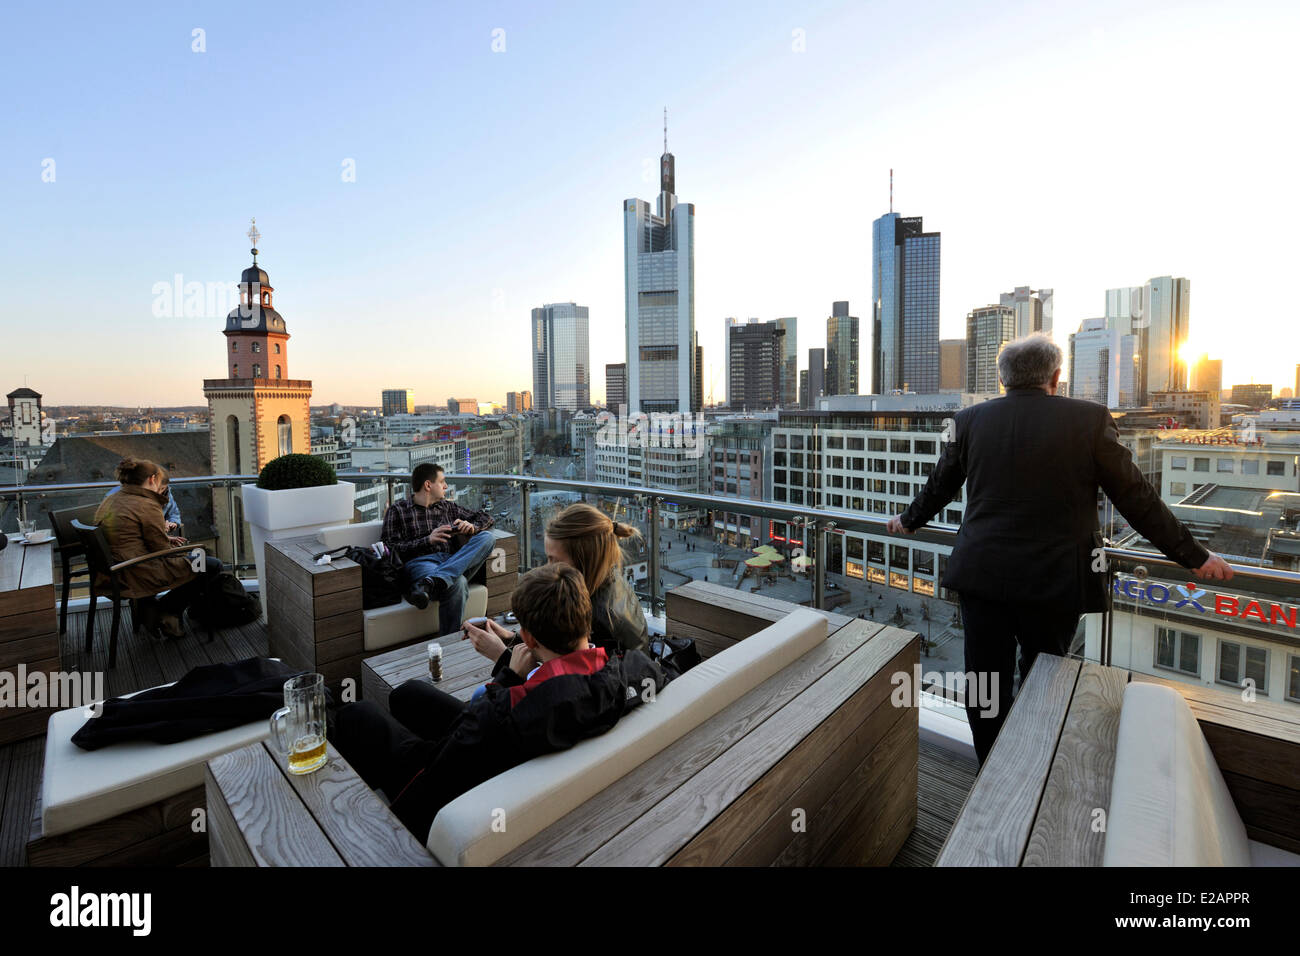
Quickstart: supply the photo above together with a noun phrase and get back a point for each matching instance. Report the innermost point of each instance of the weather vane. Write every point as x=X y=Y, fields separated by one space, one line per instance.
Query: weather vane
x=253 y=236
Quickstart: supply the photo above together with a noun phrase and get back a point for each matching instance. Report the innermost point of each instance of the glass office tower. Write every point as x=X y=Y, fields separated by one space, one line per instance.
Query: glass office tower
x=841 y=351
x=561 y=360
x=905 y=302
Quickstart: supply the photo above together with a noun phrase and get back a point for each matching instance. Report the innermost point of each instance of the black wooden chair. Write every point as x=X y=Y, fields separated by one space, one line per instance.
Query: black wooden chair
x=100 y=558
x=70 y=550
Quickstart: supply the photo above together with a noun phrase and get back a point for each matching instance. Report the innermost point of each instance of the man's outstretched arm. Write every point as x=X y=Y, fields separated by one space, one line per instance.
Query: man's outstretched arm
x=1140 y=504
x=940 y=488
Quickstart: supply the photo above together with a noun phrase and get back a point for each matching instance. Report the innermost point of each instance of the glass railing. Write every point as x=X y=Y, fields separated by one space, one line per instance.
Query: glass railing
x=1243 y=636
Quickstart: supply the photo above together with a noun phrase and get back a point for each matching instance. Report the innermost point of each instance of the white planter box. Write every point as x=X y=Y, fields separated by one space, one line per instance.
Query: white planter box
x=292 y=513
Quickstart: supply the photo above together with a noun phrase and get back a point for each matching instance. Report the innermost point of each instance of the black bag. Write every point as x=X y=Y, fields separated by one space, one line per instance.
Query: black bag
x=678 y=654
x=228 y=604
x=381 y=578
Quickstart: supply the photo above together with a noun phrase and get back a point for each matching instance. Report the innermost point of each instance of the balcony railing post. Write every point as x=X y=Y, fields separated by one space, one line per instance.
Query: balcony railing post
x=526 y=526
x=234 y=529
x=654 y=554
x=819 y=563
x=1108 y=618
x=389 y=480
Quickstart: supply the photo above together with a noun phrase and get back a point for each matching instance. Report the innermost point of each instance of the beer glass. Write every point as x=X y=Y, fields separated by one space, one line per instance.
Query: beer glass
x=298 y=728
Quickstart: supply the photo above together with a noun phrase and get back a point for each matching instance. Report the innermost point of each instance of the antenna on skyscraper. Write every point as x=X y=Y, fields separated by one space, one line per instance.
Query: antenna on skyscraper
x=891 y=189
x=665 y=129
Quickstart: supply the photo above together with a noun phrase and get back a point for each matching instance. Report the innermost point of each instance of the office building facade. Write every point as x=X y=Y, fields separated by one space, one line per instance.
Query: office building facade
x=1158 y=316
x=952 y=365
x=1101 y=364
x=905 y=303
x=756 y=366
x=987 y=330
x=615 y=386
x=841 y=351
x=789 y=362
x=1033 y=309
x=816 y=373
x=519 y=402
x=659 y=297
x=398 y=401
x=561 y=356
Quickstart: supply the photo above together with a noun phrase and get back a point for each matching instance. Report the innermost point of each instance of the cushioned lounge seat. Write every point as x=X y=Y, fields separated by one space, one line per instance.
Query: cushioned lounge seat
x=81 y=787
x=537 y=793
x=1169 y=804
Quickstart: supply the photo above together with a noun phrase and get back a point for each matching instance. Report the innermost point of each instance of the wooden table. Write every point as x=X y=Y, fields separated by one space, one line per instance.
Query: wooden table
x=29 y=632
x=463 y=670
x=259 y=814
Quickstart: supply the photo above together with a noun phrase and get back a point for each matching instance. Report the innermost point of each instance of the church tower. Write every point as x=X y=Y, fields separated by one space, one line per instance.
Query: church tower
x=257 y=412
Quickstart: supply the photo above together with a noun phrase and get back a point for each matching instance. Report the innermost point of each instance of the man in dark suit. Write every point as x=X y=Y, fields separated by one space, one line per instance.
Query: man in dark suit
x=1026 y=562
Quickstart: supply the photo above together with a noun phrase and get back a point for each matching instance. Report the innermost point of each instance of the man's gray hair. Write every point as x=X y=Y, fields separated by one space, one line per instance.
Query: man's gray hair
x=1029 y=362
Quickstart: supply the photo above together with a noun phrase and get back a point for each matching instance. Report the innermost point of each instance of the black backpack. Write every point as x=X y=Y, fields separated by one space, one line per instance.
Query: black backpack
x=228 y=604
x=381 y=578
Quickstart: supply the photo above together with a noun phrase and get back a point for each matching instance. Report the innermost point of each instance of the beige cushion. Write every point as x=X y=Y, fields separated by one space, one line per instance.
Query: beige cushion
x=360 y=535
x=385 y=627
x=1169 y=805
x=537 y=793
x=81 y=787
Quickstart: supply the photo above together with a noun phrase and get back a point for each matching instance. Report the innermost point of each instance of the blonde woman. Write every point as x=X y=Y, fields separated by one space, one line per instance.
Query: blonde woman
x=587 y=539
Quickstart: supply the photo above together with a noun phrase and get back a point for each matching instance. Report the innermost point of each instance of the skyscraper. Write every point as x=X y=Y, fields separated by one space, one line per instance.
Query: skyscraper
x=561 y=363
x=755 y=364
x=659 y=291
x=789 y=362
x=905 y=303
x=816 y=378
x=615 y=385
x=987 y=329
x=1158 y=316
x=841 y=351
x=517 y=402
x=1101 y=364
x=952 y=365
x=398 y=401
x=1033 y=309
x=1207 y=375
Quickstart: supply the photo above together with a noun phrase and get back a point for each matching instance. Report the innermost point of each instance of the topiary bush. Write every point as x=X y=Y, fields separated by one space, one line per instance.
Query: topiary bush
x=296 y=471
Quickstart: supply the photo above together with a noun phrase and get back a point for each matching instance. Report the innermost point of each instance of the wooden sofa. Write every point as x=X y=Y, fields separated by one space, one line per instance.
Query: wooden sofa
x=803 y=760
x=315 y=618
x=1050 y=793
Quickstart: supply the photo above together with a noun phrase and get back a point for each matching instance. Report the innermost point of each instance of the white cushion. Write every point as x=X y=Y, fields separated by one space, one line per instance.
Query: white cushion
x=537 y=793
x=360 y=535
x=82 y=787
x=384 y=627
x=1169 y=805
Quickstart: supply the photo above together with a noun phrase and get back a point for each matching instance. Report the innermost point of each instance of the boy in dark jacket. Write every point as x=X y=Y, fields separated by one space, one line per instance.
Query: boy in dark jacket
x=557 y=691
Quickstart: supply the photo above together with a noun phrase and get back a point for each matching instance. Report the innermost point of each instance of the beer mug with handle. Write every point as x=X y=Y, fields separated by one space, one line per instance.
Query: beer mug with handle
x=298 y=728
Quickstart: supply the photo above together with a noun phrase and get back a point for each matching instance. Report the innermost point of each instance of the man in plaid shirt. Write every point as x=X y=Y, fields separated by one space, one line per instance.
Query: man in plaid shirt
x=419 y=530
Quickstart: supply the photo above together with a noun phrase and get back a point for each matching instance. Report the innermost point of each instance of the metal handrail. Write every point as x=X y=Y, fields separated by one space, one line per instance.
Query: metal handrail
x=938 y=534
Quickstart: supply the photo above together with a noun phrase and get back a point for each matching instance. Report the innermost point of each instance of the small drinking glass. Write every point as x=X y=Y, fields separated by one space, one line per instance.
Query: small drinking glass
x=27 y=527
x=298 y=728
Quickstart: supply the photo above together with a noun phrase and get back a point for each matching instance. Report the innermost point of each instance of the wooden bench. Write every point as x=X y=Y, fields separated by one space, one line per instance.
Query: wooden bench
x=314 y=612
x=1037 y=799
x=259 y=814
x=813 y=766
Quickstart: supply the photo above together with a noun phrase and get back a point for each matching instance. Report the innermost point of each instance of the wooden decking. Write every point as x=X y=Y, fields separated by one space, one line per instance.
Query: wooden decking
x=945 y=778
x=141 y=662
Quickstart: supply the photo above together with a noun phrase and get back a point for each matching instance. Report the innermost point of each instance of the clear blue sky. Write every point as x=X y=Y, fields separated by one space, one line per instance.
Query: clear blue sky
x=1063 y=145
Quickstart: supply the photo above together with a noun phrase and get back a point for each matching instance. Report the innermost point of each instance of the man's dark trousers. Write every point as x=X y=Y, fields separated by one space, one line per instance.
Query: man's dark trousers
x=993 y=630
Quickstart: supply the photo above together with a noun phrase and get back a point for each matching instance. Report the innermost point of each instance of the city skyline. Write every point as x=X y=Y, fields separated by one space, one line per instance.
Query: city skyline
x=116 y=222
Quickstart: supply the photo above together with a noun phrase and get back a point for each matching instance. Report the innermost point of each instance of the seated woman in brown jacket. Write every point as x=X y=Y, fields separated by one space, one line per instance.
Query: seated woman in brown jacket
x=133 y=521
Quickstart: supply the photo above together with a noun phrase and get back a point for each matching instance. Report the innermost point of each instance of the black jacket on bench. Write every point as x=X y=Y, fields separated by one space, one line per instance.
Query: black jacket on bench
x=207 y=699
x=490 y=736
